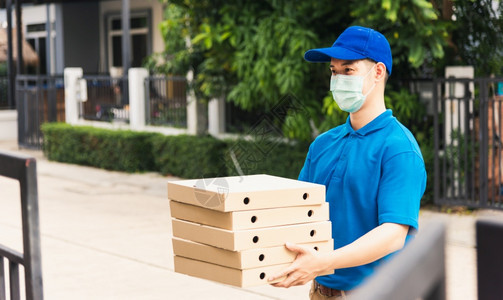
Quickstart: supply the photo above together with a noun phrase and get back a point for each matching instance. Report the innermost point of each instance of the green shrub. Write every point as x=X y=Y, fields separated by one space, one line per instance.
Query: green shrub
x=120 y=150
x=183 y=156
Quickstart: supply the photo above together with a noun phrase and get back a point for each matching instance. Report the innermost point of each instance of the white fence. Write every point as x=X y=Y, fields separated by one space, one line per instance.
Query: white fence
x=198 y=118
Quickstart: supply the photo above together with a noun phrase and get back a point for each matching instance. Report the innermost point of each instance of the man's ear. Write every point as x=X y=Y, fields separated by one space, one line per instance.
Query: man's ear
x=380 y=71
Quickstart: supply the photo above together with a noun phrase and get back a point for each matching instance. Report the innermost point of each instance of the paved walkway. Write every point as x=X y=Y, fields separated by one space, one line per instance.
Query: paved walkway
x=107 y=235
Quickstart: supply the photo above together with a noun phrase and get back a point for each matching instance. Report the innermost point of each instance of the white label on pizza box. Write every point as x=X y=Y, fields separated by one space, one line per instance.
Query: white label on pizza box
x=245 y=259
x=235 y=277
x=248 y=219
x=252 y=238
x=248 y=192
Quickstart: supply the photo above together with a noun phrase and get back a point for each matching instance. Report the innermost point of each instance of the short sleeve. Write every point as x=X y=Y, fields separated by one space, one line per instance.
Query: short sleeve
x=402 y=184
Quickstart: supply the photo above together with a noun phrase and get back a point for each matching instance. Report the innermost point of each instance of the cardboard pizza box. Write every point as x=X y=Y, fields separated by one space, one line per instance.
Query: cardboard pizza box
x=249 y=192
x=252 y=238
x=245 y=259
x=226 y=275
x=248 y=219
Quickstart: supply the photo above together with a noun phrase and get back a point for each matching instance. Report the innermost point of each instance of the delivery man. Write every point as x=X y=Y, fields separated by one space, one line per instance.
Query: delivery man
x=372 y=168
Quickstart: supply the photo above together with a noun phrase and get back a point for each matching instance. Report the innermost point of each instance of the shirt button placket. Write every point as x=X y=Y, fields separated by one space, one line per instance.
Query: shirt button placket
x=342 y=163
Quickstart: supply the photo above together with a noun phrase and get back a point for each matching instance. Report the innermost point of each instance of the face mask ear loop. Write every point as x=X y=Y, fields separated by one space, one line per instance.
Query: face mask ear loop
x=374 y=85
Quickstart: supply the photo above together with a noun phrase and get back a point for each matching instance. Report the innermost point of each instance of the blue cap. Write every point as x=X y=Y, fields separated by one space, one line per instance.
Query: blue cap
x=355 y=42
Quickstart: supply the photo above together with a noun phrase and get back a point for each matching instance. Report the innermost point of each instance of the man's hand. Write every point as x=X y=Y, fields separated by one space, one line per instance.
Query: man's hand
x=375 y=244
x=307 y=265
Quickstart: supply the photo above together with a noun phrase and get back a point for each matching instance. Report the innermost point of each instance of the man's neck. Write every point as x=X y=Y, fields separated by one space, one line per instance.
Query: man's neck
x=366 y=114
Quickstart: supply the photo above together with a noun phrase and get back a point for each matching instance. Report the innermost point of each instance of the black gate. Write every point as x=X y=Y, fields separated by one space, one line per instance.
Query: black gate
x=467 y=139
x=39 y=99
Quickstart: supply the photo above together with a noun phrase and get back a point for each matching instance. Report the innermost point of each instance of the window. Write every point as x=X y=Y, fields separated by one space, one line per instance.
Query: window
x=140 y=39
x=36 y=36
x=35 y=27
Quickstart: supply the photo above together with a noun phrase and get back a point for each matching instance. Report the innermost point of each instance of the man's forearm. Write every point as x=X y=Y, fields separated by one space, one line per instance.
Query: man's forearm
x=381 y=241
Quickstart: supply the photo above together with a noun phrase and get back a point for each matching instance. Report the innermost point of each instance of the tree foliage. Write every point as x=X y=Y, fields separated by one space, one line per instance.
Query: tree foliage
x=251 y=52
x=476 y=35
x=413 y=28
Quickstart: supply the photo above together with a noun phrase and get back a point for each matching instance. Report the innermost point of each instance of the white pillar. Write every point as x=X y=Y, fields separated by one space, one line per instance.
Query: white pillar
x=192 y=107
x=137 y=97
x=8 y=123
x=216 y=116
x=456 y=115
x=453 y=92
x=71 y=76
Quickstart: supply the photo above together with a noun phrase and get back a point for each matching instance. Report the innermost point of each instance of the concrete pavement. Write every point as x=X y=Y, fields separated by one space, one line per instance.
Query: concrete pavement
x=107 y=235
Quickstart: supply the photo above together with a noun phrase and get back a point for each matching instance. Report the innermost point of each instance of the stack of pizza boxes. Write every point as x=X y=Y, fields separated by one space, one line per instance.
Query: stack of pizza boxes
x=233 y=229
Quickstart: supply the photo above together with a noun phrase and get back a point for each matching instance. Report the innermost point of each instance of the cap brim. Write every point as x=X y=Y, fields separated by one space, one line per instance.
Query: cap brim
x=326 y=54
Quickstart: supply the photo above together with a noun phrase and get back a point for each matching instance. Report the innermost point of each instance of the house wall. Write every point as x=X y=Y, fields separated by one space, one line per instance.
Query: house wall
x=81 y=35
x=32 y=14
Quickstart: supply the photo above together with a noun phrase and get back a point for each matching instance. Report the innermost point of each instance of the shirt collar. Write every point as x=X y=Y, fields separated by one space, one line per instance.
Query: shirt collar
x=376 y=124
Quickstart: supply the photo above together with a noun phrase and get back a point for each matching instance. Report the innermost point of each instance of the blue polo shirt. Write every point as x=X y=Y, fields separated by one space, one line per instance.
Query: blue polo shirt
x=374 y=175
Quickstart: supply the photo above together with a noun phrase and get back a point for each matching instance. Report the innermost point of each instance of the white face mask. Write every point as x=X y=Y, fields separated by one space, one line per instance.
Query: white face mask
x=347 y=91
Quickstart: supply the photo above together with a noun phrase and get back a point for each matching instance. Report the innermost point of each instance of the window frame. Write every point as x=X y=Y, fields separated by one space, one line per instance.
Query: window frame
x=110 y=33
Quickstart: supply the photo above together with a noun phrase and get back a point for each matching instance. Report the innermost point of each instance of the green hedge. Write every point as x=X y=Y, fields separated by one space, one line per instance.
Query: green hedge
x=183 y=156
x=120 y=150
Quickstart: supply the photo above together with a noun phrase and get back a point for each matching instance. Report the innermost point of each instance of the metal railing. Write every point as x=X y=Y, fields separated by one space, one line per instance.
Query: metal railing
x=23 y=169
x=107 y=100
x=166 y=101
x=467 y=141
x=39 y=99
